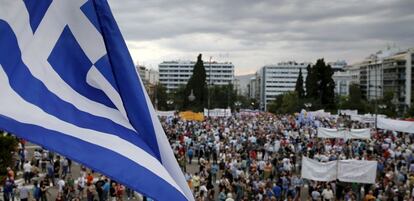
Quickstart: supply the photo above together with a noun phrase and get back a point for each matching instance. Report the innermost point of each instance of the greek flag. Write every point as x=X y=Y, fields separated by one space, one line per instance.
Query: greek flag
x=68 y=83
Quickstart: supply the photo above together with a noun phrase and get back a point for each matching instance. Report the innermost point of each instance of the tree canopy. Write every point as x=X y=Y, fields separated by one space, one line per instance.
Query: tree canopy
x=299 y=85
x=197 y=84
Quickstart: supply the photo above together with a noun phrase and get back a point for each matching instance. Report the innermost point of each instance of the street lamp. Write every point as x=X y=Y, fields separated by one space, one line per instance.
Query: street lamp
x=237 y=104
x=308 y=105
x=169 y=103
x=191 y=97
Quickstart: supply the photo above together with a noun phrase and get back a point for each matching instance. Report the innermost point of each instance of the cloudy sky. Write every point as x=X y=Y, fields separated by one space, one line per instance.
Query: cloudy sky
x=252 y=33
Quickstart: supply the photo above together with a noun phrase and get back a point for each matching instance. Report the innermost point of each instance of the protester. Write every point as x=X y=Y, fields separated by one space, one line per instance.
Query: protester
x=254 y=156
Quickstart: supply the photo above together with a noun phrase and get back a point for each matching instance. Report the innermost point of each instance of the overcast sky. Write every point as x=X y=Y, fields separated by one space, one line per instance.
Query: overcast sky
x=252 y=33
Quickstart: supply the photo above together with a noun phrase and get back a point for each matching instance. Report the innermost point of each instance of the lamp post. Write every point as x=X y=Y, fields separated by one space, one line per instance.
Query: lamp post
x=237 y=104
x=191 y=97
x=169 y=103
x=208 y=90
x=308 y=105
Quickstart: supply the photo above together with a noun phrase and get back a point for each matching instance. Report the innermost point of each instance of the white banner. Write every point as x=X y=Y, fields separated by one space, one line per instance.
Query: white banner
x=329 y=133
x=348 y=112
x=364 y=133
x=320 y=114
x=318 y=171
x=352 y=134
x=217 y=112
x=166 y=113
x=395 y=125
x=358 y=171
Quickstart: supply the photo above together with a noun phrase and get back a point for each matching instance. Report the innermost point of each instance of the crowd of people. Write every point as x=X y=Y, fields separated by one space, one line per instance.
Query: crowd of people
x=258 y=156
x=247 y=156
x=46 y=171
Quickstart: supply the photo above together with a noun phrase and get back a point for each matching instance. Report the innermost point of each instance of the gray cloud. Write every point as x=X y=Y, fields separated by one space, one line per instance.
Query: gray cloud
x=253 y=33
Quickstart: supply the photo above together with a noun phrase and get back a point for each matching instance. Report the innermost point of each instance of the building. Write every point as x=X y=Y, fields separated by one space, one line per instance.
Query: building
x=244 y=81
x=141 y=71
x=149 y=78
x=236 y=86
x=338 y=65
x=387 y=70
x=147 y=75
x=344 y=79
x=277 y=79
x=253 y=88
x=176 y=73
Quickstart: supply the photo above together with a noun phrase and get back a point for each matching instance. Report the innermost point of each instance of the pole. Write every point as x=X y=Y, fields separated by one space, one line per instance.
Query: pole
x=376 y=100
x=208 y=90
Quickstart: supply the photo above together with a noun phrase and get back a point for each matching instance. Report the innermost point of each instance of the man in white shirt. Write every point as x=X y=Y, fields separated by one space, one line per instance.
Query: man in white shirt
x=61 y=185
x=27 y=168
x=24 y=193
x=327 y=194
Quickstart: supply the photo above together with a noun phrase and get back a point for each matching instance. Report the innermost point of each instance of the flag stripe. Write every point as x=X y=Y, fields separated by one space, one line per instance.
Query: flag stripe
x=138 y=114
x=73 y=89
x=49 y=102
x=44 y=72
x=96 y=79
x=70 y=62
x=114 y=165
x=18 y=109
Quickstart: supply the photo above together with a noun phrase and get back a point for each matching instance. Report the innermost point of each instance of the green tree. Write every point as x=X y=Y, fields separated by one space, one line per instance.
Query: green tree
x=290 y=103
x=410 y=112
x=275 y=106
x=320 y=86
x=8 y=145
x=299 y=85
x=311 y=83
x=178 y=96
x=161 y=97
x=197 y=84
x=354 y=101
x=222 y=96
x=387 y=103
x=327 y=87
x=286 y=103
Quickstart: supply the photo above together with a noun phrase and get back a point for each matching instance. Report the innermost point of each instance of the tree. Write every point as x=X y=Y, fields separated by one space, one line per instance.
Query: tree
x=161 y=97
x=286 y=103
x=320 y=86
x=8 y=145
x=196 y=84
x=387 y=101
x=354 y=101
x=327 y=86
x=290 y=103
x=178 y=96
x=311 y=83
x=275 y=106
x=299 y=85
x=222 y=96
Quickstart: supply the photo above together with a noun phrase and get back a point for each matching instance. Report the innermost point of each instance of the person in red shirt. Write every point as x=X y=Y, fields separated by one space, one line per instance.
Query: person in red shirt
x=89 y=179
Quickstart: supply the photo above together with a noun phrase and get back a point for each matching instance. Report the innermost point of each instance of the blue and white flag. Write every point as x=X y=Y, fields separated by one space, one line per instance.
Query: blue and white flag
x=68 y=83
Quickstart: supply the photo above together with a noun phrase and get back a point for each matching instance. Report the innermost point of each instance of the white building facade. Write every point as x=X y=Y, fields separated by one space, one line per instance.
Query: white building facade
x=278 y=79
x=344 y=79
x=148 y=75
x=173 y=74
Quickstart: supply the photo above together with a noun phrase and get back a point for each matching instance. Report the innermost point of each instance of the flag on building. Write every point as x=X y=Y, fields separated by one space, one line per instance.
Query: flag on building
x=68 y=83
